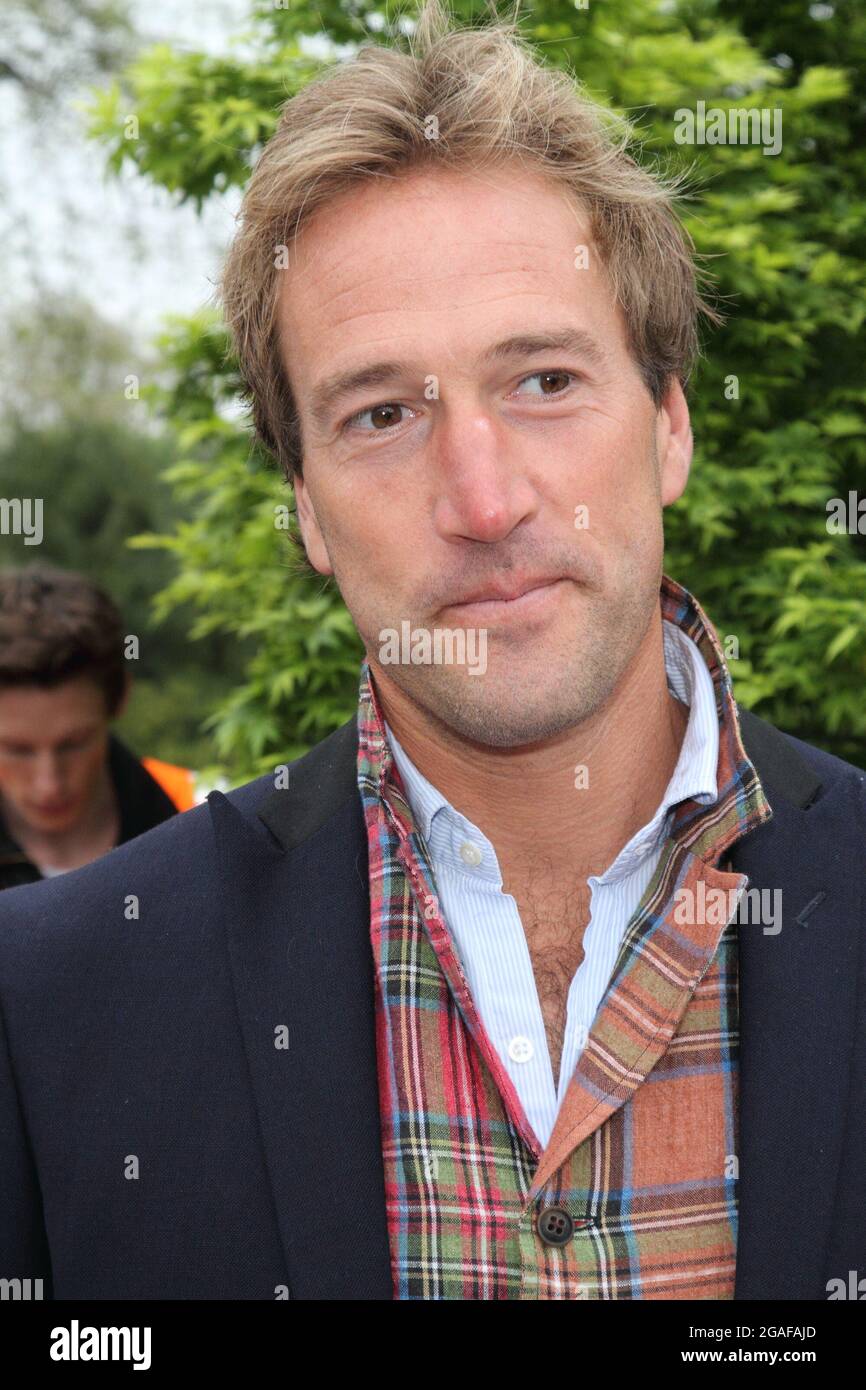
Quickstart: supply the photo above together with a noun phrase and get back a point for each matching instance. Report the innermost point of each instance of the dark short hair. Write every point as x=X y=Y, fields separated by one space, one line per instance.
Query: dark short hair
x=56 y=625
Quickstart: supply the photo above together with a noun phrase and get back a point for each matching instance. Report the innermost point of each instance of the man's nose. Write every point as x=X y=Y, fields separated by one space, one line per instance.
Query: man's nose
x=484 y=491
x=48 y=778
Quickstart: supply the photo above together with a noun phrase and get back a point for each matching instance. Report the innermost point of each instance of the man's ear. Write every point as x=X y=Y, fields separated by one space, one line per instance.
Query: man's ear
x=674 y=443
x=311 y=532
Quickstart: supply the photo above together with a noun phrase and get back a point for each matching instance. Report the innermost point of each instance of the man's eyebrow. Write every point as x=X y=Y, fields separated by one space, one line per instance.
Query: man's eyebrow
x=574 y=340
x=325 y=396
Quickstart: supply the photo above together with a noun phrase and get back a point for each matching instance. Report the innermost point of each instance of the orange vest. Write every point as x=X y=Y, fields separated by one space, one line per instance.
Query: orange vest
x=176 y=782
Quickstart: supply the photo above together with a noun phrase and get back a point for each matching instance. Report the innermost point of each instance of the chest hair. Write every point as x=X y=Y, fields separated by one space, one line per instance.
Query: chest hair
x=554 y=917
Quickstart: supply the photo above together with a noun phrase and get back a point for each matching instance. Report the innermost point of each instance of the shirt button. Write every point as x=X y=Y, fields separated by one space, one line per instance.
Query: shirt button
x=470 y=854
x=520 y=1049
x=555 y=1226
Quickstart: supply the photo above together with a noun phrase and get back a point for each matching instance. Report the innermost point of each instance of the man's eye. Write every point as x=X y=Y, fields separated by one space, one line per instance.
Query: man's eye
x=546 y=377
x=382 y=417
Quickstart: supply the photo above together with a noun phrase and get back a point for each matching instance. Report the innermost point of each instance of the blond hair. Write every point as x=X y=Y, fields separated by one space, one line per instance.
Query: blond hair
x=493 y=102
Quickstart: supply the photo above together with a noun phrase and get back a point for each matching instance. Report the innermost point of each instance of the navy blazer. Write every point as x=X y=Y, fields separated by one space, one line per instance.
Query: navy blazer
x=155 y=1143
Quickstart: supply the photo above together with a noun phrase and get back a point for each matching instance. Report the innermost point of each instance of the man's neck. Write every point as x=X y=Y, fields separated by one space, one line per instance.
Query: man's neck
x=529 y=801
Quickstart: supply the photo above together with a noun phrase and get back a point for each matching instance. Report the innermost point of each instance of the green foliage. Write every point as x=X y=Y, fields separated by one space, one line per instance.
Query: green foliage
x=785 y=238
x=164 y=719
x=71 y=437
x=100 y=483
x=238 y=568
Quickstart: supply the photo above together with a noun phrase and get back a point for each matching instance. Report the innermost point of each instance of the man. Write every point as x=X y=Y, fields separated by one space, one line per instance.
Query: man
x=70 y=790
x=463 y=1007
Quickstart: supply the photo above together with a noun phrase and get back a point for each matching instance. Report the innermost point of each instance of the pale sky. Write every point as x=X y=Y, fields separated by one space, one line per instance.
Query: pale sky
x=128 y=246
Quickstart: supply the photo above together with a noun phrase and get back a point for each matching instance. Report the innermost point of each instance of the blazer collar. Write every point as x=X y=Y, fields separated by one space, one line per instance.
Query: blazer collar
x=319 y=785
x=328 y=776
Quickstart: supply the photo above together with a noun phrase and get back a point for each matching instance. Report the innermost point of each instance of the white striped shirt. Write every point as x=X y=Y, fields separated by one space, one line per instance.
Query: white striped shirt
x=485 y=923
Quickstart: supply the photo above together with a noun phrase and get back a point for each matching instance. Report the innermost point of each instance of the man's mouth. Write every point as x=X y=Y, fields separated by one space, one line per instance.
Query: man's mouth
x=514 y=598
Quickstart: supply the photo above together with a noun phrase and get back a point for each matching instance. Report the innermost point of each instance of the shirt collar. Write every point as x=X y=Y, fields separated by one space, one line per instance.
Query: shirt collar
x=694 y=775
x=712 y=762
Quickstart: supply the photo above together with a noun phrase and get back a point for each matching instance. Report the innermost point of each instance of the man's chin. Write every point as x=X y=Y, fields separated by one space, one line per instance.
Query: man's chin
x=511 y=713
x=513 y=728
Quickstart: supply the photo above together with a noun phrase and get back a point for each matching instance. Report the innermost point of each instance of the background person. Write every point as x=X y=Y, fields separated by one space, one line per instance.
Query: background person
x=70 y=790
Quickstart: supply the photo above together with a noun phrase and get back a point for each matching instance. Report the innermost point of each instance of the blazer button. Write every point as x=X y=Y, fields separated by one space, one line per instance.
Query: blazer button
x=555 y=1226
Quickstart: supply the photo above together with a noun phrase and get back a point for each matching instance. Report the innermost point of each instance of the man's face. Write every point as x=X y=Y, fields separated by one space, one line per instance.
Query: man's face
x=53 y=747
x=441 y=488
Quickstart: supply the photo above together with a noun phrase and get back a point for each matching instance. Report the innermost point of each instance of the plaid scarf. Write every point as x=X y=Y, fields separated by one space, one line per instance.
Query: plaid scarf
x=643 y=1158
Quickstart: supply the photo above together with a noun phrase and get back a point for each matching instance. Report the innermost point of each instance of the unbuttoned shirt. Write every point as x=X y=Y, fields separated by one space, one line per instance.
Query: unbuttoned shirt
x=633 y=1192
x=485 y=923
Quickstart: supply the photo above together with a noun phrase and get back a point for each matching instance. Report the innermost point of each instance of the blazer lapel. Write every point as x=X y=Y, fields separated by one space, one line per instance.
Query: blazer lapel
x=296 y=905
x=797 y=1015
